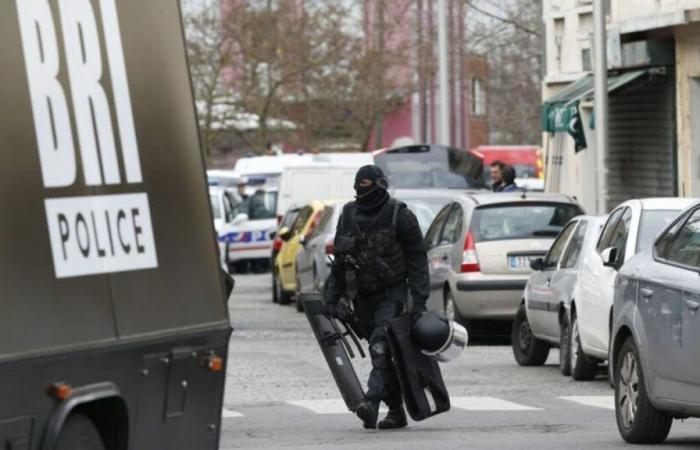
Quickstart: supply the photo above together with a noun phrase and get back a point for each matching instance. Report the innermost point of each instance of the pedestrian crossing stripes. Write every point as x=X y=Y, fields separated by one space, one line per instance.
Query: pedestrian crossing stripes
x=488 y=404
x=230 y=414
x=474 y=404
x=598 y=401
x=324 y=406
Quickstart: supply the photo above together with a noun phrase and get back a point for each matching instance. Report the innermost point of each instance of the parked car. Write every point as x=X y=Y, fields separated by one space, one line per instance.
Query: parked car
x=313 y=262
x=425 y=203
x=223 y=202
x=248 y=237
x=480 y=247
x=656 y=329
x=431 y=166
x=525 y=159
x=542 y=321
x=277 y=242
x=630 y=229
x=285 y=263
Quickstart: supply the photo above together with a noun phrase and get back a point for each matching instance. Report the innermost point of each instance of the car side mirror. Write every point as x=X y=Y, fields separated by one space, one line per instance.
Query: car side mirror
x=240 y=218
x=537 y=264
x=610 y=257
x=285 y=234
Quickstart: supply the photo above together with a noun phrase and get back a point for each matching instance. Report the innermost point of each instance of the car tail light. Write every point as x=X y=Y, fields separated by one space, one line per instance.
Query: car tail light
x=329 y=247
x=277 y=244
x=470 y=260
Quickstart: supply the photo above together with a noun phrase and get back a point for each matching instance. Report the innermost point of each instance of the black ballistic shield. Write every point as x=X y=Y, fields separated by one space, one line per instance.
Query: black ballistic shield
x=422 y=386
x=335 y=348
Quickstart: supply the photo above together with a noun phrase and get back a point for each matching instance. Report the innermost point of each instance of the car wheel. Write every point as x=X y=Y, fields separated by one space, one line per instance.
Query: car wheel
x=79 y=433
x=297 y=297
x=450 y=309
x=565 y=345
x=283 y=298
x=275 y=287
x=637 y=419
x=582 y=369
x=527 y=349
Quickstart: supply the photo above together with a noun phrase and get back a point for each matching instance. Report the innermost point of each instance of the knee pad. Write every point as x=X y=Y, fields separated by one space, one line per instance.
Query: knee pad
x=379 y=354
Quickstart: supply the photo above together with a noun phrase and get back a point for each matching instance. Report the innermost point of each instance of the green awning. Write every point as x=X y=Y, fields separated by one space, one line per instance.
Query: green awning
x=560 y=112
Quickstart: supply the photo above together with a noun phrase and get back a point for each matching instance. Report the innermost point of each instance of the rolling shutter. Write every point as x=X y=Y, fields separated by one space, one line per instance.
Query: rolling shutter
x=642 y=156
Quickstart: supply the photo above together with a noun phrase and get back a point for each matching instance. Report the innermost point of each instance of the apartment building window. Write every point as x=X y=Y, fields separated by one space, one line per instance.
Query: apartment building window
x=586 y=63
x=558 y=39
x=478 y=97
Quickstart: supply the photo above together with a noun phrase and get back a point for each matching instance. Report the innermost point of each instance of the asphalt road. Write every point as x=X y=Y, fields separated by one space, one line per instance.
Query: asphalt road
x=280 y=393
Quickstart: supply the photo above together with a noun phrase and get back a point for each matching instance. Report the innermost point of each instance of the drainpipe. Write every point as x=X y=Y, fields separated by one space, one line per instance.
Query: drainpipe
x=600 y=103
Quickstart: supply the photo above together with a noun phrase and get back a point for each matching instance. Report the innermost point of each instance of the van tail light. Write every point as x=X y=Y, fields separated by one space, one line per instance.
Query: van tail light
x=539 y=165
x=470 y=260
x=277 y=244
x=329 y=247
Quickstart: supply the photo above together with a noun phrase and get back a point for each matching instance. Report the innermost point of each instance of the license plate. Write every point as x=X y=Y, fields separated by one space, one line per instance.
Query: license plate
x=518 y=262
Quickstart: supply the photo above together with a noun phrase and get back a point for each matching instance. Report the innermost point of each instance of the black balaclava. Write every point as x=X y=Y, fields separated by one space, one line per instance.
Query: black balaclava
x=372 y=196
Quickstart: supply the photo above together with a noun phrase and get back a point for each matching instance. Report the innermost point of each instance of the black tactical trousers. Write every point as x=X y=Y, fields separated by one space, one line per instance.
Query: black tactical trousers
x=383 y=384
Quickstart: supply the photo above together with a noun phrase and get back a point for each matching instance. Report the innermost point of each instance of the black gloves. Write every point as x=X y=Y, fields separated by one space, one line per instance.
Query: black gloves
x=417 y=310
x=332 y=310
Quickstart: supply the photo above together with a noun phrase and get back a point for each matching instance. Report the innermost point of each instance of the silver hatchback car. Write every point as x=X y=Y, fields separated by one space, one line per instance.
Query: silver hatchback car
x=480 y=247
x=542 y=321
x=656 y=331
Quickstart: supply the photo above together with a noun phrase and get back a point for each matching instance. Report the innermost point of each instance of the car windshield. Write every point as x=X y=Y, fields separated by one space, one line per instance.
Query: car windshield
x=431 y=167
x=651 y=224
x=215 y=206
x=425 y=209
x=288 y=218
x=521 y=220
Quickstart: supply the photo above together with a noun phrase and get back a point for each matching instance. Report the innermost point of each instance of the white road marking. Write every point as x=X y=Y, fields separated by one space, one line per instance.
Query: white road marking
x=598 y=401
x=325 y=406
x=488 y=404
x=229 y=413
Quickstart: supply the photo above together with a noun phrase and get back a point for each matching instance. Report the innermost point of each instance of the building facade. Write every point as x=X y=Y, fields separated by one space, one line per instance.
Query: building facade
x=415 y=118
x=654 y=94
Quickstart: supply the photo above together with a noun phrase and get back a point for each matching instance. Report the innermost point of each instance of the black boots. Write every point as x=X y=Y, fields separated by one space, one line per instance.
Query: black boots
x=368 y=412
x=396 y=418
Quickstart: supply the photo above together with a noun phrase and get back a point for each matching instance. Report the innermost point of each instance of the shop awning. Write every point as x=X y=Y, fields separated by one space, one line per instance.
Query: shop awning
x=560 y=112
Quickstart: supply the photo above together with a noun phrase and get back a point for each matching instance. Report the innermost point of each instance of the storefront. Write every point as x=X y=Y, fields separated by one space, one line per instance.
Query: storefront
x=641 y=160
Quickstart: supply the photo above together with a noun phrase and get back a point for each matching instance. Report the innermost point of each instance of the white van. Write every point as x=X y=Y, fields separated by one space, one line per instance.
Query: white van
x=319 y=181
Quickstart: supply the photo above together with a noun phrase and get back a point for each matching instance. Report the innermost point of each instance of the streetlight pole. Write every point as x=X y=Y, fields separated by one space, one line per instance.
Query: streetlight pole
x=443 y=125
x=600 y=103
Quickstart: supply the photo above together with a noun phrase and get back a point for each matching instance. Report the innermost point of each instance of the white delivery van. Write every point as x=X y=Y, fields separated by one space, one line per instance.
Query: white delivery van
x=319 y=181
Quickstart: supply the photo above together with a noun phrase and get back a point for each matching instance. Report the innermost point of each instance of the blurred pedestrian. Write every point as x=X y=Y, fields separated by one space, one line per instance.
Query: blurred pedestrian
x=497 y=176
x=380 y=255
x=508 y=179
x=241 y=190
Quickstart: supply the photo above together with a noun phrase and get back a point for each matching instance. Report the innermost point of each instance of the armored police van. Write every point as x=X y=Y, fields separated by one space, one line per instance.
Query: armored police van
x=113 y=322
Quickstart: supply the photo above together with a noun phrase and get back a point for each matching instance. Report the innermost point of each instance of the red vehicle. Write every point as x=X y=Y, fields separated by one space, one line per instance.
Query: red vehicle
x=525 y=159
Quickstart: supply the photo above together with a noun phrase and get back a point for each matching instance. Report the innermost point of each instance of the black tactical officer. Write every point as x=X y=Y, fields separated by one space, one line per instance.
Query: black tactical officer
x=380 y=255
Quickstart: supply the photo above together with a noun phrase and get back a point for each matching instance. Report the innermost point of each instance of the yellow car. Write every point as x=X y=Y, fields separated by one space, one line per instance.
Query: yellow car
x=285 y=262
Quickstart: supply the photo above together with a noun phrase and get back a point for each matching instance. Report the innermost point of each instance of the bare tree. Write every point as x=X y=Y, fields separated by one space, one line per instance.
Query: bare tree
x=209 y=56
x=509 y=32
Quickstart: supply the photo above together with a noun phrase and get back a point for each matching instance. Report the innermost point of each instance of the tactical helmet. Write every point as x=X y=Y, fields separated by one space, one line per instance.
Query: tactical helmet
x=439 y=338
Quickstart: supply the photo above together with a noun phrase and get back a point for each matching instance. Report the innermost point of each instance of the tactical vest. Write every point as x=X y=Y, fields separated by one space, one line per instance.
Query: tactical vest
x=380 y=257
